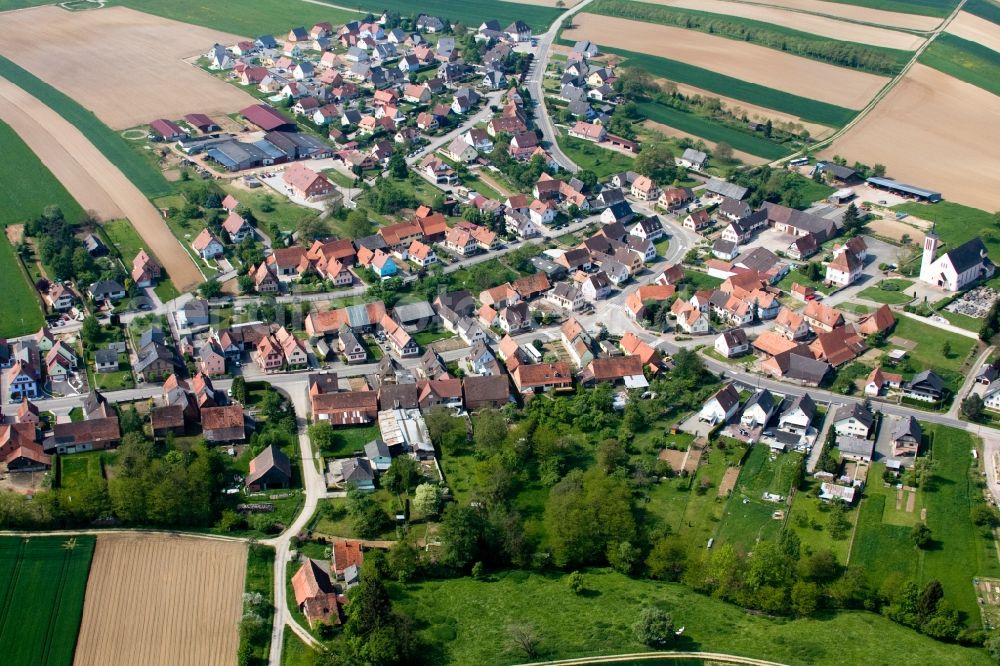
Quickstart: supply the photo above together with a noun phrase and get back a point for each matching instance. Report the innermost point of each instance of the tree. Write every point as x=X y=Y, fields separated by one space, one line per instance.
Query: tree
x=402 y=476
x=90 y=330
x=368 y=517
x=656 y=160
x=666 y=560
x=852 y=218
x=820 y=566
x=461 y=534
x=574 y=582
x=984 y=515
x=724 y=151
x=946 y=349
x=312 y=228
x=921 y=535
x=654 y=627
x=321 y=434
x=623 y=557
x=404 y=560
x=427 y=500
x=489 y=431
x=611 y=455
x=210 y=288
x=523 y=639
x=927 y=604
x=239 y=389
x=805 y=598
x=993 y=646
x=358 y=225
x=245 y=284
x=972 y=407
x=397 y=166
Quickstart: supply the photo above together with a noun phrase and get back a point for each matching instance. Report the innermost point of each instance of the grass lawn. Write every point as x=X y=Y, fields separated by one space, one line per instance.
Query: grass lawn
x=337 y=522
x=698 y=280
x=661 y=246
x=747 y=517
x=470 y=617
x=955 y=223
x=351 y=440
x=720 y=84
x=124 y=237
x=928 y=352
x=425 y=338
x=712 y=131
x=965 y=60
x=481 y=276
x=888 y=291
x=114 y=381
x=793 y=276
x=138 y=170
x=247 y=20
x=295 y=652
x=962 y=321
x=41 y=598
x=281 y=211
x=589 y=155
x=809 y=519
x=260 y=580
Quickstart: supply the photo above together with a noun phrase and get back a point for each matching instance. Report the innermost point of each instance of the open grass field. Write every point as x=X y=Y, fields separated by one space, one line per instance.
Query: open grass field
x=748 y=62
x=859 y=12
x=928 y=352
x=883 y=547
x=470 y=617
x=809 y=518
x=713 y=131
x=977 y=29
x=812 y=25
x=166 y=600
x=26 y=188
x=966 y=60
x=927 y=115
x=739 y=89
x=837 y=43
x=242 y=18
x=351 y=440
x=96 y=181
x=955 y=223
x=893 y=295
x=41 y=598
x=589 y=155
x=148 y=179
x=157 y=83
x=472 y=12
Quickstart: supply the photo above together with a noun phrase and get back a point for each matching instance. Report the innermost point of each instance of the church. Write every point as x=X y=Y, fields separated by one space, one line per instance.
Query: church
x=957 y=268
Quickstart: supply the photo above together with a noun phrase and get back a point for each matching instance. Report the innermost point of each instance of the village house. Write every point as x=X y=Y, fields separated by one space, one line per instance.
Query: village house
x=853 y=420
x=207 y=245
x=906 y=437
x=798 y=415
x=925 y=386
x=759 y=409
x=732 y=343
x=721 y=407
x=822 y=317
x=145 y=271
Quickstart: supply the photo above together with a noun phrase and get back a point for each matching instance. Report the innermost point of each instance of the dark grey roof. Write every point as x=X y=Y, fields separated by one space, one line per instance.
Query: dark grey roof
x=151 y=335
x=765 y=399
x=967 y=255
x=94 y=402
x=357 y=469
x=105 y=356
x=413 y=312
x=152 y=353
x=724 y=246
x=856 y=446
x=735 y=337
x=759 y=259
x=799 y=365
x=855 y=410
x=620 y=210
x=725 y=189
x=727 y=397
x=734 y=207
x=927 y=380
x=907 y=427
x=377 y=449
x=805 y=403
x=271 y=458
x=104 y=288
x=836 y=170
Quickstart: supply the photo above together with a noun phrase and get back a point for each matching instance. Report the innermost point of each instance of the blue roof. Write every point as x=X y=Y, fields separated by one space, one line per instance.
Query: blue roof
x=269 y=149
x=903 y=187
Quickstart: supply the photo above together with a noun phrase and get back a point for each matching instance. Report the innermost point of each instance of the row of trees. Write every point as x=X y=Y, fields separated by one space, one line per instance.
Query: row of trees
x=63 y=253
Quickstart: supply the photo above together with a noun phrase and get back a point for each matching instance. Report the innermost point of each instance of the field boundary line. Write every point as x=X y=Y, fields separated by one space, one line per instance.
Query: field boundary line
x=14 y=574
x=56 y=604
x=97 y=532
x=645 y=656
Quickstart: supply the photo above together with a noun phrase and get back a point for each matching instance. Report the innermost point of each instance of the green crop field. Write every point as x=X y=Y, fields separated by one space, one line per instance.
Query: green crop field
x=875 y=59
x=26 y=188
x=248 y=19
x=965 y=60
x=142 y=174
x=923 y=7
x=713 y=131
x=986 y=9
x=720 y=84
x=41 y=598
x=471 y=12
x=471 y=617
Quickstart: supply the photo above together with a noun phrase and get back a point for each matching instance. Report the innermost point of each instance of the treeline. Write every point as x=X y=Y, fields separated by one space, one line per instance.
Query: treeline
x=844 y=54
x=63 y=253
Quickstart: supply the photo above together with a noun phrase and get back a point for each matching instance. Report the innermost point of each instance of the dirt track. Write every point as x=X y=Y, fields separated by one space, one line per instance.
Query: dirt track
x=858 y=13
x=811 y=23
x=162 y=600
x=936 y=132
x=975 y=29
x=125 y=66
x=92 y=179
x=749 y=62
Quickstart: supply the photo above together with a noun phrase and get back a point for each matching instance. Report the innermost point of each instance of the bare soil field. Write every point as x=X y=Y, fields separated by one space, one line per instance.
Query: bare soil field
x=161 y=600
x=895 y=229
x=666 y=130
x=124 y=65
x=975 y=29
x=749 y=62
x=928 y=117
x=857 y=13
x=92 y=179
x=796 y=20
x=755 y=112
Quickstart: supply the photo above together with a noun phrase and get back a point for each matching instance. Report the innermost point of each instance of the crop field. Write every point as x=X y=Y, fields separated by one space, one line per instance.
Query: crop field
x=867 y=48
x=860 y=12
x=930 y=114
x=472 y=12
x=248 y=19
x=471 y=617
x=986 y=9
x=799 y=21
x=157 y=82
x=923 y=7
x=167 y=600
x=977 y=29
x=966 y=61
x=712 y=131
x=668 y=132
x=749 y=62
x=41 y=598
x=713 y=82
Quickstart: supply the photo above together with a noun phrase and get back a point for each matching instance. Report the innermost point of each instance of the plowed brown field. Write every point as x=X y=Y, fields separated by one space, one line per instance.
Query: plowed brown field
x=824 y=26
x=162 y=600
x=936 y=132
x=768 y=67
x=858 y=13
x=975 y=29
x=92 y=179
x=125 y=66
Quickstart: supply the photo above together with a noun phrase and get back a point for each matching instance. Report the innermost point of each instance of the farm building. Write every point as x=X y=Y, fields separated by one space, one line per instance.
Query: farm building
x=270 y=469
x=905 y=190
x=266 y=118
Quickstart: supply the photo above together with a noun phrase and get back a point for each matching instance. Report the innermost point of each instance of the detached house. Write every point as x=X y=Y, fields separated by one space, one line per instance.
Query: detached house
x=207 y=245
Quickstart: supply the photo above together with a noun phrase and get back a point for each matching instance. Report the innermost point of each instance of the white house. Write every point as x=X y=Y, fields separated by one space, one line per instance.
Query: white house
x=956 y=268
x=759 y=409
x=596 y=286
x=853 y=421
x=797 y=417
x=567 y=297
x=722 y=406
x=732 y=343
x=844 y=270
